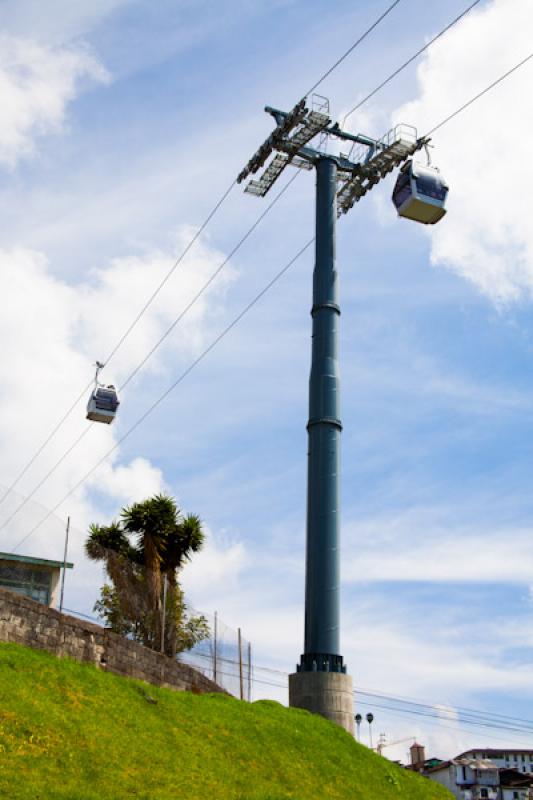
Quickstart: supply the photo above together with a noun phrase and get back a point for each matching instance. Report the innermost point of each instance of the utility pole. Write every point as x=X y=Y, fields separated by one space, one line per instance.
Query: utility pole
x=241 y=683
x=64 y=567
x=164 y=613
x=320 y=683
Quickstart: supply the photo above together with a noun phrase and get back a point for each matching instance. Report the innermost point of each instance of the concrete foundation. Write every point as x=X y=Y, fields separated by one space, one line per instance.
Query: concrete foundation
x=329 y=694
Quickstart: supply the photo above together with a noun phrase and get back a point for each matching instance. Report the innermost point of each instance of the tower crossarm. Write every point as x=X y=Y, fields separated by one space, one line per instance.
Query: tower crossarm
x=368 y=162
x=391 y=150
x=292 y=133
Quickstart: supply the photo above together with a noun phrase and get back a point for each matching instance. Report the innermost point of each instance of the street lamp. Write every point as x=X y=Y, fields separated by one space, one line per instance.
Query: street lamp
x=370 y=719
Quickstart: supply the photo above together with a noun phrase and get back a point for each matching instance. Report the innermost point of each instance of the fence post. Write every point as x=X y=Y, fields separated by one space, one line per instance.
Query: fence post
x=215 y=650
x=164 y=613
x=249 y=672
x=240 y=664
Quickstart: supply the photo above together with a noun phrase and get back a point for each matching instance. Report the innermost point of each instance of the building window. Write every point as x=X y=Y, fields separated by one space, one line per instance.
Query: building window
x=34 y=583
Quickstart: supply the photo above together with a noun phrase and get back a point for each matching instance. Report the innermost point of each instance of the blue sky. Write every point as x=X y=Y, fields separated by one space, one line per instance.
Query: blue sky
x=125 y=122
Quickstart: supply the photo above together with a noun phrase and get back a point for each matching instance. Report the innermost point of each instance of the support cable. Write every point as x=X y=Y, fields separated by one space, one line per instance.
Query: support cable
x=180 y=316
x=409 y=61
x=438 y=721
x=352 y=48
x=175 y=265
x=439 y=716
x=208 y=282
x=171 y=388
x=440 y=125
x=46 y=441
x=477 y=718
x=385 y=697
x=480 y=94
x=123 y=338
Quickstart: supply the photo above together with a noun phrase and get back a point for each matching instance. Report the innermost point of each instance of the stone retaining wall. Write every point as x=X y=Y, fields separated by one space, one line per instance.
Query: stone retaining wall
x=30 y=623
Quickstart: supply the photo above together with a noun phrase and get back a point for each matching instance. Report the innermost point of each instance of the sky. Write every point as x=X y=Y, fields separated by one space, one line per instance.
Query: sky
x=123 y=124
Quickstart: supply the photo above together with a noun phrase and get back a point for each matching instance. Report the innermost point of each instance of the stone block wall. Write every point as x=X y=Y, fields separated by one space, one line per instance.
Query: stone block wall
x=30 y=623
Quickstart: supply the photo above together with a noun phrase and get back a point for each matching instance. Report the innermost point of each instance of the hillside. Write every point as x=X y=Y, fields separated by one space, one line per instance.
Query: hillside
x=70 y=731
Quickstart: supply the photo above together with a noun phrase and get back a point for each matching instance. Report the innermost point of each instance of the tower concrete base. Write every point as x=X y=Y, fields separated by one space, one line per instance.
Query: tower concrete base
x=329 y=694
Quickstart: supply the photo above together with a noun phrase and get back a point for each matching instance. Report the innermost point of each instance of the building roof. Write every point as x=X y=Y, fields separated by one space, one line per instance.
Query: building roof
x=474 y=763
x=495 y=752
x=41 y=562
x=513 y=777
x=438 y=767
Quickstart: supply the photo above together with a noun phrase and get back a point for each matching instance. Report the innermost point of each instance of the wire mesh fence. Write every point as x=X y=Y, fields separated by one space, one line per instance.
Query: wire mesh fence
x=225 y=657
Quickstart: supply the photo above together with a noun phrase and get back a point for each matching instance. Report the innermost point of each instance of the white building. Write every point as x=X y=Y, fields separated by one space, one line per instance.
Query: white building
x=468 y=778
x=521 y=760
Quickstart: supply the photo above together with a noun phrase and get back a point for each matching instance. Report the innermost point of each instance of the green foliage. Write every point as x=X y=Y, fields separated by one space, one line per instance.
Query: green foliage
x=69 y=731
x=142 y=552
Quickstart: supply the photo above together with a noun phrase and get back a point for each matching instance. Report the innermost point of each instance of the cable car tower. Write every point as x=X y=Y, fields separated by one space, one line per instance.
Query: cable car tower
x=320 y=683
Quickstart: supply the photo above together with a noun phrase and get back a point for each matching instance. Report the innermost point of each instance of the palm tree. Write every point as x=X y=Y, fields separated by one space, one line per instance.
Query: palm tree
x=186 y=538
x=163 y=541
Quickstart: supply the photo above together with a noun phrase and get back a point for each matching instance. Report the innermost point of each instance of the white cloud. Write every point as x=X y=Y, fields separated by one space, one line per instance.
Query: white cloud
x=418 y=545
x=213 y=574
x=133 y=482
x=36 y=85
x=50 y=333
x=486 y=236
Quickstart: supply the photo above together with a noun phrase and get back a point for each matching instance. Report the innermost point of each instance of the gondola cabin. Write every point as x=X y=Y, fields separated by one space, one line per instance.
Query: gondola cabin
x=103 y=404
x=420 y=193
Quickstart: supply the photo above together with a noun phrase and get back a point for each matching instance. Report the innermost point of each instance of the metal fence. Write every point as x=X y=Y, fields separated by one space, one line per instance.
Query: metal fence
x=225 y=657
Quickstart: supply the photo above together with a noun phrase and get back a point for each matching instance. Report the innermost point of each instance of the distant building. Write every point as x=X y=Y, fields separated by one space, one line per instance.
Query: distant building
x=479 y=774
x=521 y=760
x=467 y=778
x=515 y=785
x=37 y=578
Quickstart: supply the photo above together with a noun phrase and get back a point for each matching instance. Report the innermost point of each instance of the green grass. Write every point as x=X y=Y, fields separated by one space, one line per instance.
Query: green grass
x=71 y=731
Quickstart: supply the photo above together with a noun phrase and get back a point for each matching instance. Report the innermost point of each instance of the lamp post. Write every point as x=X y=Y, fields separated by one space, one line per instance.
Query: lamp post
x=370 y=720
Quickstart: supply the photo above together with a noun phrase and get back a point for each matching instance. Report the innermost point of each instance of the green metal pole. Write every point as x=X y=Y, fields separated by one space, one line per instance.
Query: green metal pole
x=321 y=649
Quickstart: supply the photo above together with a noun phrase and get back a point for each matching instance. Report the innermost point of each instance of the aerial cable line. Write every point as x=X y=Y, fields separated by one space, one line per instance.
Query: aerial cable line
x=441 y=724
x=165 y=394
x=437 y=716
x=471 y=711
x=169 y=273
x=446 y=714
x=177 y=263
x=480 y=94
x=180 y=316
x=237 y=319
x=409 y=61
x=124 y=336
x=352 y=48
x=436 y=711
x=208 y=282
x=261 y=668
x=43 y=480
x=46 y=441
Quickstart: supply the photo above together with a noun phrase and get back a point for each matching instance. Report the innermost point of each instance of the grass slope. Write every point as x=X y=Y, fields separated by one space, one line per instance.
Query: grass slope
x=68 y=730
